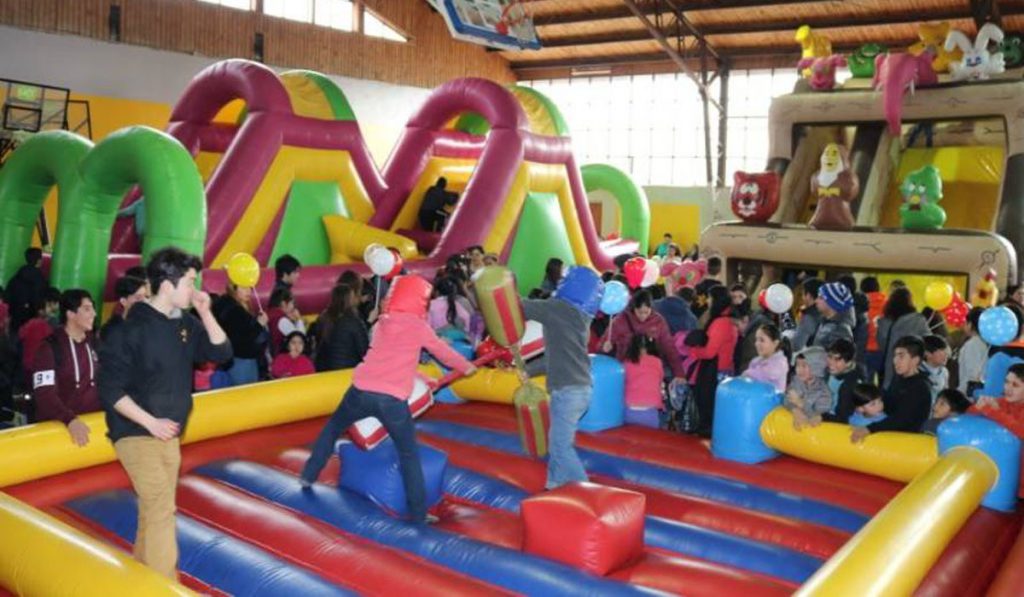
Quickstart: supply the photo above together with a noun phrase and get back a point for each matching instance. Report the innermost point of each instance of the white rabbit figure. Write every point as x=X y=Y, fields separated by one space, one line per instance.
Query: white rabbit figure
x=977 y=63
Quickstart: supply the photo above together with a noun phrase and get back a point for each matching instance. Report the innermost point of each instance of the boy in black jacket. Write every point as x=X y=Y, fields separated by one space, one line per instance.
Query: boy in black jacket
x=908 y=400
x=145 y=385
x=843 y=377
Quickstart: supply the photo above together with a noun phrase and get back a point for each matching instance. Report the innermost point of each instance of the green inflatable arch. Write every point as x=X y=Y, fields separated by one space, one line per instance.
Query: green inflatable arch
x=634 y=211
x=91 y=186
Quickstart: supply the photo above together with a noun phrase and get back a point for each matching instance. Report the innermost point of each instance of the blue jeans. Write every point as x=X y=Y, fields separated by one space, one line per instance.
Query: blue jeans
x=568 y=404
x=394 y=415
x=244 y=371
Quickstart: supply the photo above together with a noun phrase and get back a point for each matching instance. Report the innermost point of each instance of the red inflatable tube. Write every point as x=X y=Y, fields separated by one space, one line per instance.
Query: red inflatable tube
x=349 y=561
x=97 y=532
x=529 y=475
x=678 y=458
x=657 y=570
x=58 y=489
x=989 y=545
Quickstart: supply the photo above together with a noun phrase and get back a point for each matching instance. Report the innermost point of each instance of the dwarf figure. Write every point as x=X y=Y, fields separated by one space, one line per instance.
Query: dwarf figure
x=834 y=186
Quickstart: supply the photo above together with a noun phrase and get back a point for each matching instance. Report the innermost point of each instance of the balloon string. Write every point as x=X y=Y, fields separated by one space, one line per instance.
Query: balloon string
x=608 y=332
x=376 y=300
x=256 y=295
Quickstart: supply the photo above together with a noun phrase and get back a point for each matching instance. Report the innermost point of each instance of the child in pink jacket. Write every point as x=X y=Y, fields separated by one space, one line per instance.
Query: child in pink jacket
x=643 y=382
x=382 y=383
x=770 y=365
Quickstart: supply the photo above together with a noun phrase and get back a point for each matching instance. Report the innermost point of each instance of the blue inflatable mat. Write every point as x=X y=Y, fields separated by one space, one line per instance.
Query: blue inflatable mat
x=718 y=489
x=351 y=513
x=215 y=558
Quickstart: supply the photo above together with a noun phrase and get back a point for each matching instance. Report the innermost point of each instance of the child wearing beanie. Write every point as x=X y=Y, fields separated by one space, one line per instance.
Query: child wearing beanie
x=808 y=396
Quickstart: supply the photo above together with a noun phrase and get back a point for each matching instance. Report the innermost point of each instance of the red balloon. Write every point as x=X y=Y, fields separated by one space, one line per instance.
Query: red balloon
x=397 y=269
x=957 y=311
x=634 y=271
x=762 y=299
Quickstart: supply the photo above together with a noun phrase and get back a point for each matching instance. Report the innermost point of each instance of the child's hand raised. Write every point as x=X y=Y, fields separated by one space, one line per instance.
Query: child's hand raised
x=859 y=434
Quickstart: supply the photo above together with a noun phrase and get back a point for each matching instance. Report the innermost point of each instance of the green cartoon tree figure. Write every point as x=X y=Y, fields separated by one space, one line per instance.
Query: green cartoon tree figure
x=922 y=191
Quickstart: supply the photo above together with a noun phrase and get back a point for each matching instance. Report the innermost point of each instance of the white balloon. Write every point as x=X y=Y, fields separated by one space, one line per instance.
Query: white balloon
x=651 y=273
x=779 y=298
x=381 y=261
x=370 y=248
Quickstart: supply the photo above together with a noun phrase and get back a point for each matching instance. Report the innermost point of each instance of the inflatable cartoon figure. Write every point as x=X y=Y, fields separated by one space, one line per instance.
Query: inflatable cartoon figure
x=755 y=195
x=834 y=186
x=922 y=191
x=987 y=293
x=823 y=71
x=1013 y=56
x=813 y=45
x=977 y=63
x=932 y=36
x=862 y=60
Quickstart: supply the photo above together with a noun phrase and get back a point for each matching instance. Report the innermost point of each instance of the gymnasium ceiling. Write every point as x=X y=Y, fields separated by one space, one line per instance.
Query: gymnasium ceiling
x=606 y=36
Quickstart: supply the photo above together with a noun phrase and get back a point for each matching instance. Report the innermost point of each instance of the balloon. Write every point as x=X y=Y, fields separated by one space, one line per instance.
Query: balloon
x=634 y=271
x=499 y=304
x=938 y=295
x=651 y=273
x=762 y=299
x=615 y=299
x=956 y=312
x=243 y=270
x=381 y=261
x=998 y=326
x=397 y=267
x=778 y=298
x=370 y=248
x=692 y=272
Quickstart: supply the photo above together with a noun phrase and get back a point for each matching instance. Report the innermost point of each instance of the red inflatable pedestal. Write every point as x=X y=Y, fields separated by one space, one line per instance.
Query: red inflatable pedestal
x=585 y=525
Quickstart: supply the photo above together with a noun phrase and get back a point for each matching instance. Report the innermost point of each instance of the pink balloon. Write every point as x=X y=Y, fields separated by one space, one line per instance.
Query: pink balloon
x=651 y=273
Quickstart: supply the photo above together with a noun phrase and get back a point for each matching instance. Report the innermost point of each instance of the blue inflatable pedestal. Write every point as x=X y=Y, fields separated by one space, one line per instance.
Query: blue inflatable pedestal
x=740 y=407
x=375 y=475
x=998 y=443
x=608 y=403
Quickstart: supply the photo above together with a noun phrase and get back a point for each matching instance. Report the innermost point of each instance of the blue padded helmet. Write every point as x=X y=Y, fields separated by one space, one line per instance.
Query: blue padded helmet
x=582 y=288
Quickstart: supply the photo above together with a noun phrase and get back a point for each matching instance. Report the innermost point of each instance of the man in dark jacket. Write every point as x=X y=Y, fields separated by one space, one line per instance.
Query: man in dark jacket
x=843 y=377
x=25 y=289
x=433 y=215
x=908 y=401
x=145 y=387
x=676 y=310
x=64 y=368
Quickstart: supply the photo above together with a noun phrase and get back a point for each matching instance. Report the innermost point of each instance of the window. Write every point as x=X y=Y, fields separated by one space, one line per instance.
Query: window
x=750 y=94
x=239 y=4
x=374 y=27
x=293 y=10
x=336 y=14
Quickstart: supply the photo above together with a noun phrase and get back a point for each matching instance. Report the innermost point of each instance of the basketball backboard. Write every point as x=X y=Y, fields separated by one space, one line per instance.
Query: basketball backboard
x=501 y=24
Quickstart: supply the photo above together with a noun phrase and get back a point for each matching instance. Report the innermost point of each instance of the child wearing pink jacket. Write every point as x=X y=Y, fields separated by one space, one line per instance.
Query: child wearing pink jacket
x=770 y=365
x=644 y=373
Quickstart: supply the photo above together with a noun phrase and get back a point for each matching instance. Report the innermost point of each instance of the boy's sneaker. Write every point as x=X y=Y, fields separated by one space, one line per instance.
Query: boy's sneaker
x=306 y=484
x=431 y=519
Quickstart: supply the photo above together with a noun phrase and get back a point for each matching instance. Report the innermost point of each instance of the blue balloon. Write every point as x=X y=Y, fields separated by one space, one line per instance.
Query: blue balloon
x=615 y=299
x=998 y=326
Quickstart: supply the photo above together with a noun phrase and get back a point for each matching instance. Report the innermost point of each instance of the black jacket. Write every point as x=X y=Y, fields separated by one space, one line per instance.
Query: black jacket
x=845 y=405
x=248 y=337
x=341 y=345
x=24 y=290
x=908 y=404
x=150 y=359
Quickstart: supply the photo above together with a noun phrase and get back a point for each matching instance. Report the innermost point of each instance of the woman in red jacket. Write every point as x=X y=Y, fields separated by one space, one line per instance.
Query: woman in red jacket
x=641 y=318
x=715 y=357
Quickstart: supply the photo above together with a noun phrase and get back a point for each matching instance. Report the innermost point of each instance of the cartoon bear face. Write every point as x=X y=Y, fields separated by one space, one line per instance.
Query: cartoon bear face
x=755 y=196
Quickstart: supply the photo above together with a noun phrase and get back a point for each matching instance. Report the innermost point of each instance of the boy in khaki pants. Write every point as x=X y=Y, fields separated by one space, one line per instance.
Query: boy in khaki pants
x=145 y=385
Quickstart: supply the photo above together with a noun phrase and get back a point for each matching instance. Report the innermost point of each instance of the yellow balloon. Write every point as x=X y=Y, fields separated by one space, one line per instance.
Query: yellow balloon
x=243 y=270
x=938 y=295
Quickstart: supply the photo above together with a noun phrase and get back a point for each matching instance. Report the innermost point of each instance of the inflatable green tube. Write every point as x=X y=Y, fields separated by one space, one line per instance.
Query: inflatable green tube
x=46 y=159
x=173 y=191
x=91 y=183
x=634 y=210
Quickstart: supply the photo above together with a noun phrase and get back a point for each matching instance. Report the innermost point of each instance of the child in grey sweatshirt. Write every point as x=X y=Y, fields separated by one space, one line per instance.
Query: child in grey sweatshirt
x=808 y=396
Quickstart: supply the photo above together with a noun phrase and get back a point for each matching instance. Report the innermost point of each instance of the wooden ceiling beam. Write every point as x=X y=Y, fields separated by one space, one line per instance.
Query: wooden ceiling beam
x=621 y=12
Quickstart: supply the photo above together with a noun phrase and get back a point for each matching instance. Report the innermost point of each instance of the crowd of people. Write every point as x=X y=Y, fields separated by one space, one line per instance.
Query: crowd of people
x=848 y=353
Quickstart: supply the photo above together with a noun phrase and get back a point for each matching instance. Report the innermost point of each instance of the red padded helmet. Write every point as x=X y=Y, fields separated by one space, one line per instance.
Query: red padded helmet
x=408 y=294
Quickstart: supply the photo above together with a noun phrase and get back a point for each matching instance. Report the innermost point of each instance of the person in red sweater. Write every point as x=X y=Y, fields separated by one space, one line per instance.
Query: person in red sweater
x=382 y=383
x=1008 y=411
x=715 y=356
x=64 y=368
x=640 y=319
x=34 y=331
x=294 y=362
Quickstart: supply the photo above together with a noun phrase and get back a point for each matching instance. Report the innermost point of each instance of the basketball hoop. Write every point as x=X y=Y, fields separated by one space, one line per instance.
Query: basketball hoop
x=513 y=19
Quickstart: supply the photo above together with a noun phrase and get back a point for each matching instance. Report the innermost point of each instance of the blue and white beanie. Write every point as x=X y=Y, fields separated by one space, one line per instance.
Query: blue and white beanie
x=837 y=296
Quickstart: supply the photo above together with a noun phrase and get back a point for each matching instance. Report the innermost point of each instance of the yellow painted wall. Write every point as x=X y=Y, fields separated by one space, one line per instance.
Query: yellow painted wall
x=682 y=221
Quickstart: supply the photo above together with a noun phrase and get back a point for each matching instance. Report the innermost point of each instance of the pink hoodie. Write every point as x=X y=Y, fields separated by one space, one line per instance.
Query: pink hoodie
x=390 y=364
x=773 y=370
